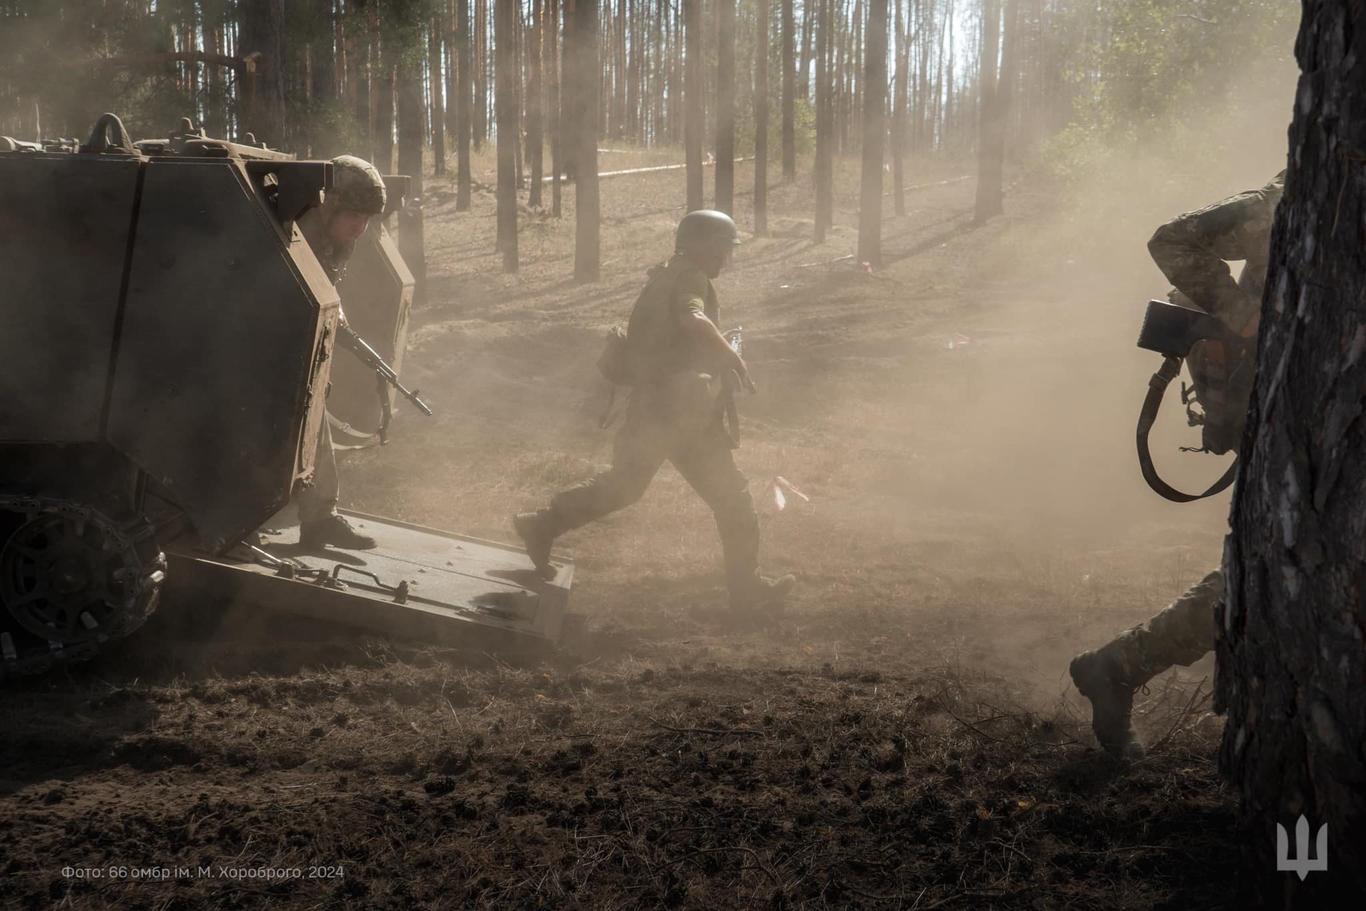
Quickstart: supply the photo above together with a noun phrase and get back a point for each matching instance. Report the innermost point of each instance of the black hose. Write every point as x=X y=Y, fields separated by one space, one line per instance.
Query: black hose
x=101 y=141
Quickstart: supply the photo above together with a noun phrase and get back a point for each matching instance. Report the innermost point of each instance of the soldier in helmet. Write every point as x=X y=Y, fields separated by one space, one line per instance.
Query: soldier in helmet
x=332 y=230
x=1193 y=251
x=675 y=360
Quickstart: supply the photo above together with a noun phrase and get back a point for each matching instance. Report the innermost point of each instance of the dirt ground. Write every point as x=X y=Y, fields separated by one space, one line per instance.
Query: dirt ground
x=904 y=736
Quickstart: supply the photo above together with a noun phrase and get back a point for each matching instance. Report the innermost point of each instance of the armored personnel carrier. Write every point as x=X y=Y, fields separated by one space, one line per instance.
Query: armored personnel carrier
x=168 y=344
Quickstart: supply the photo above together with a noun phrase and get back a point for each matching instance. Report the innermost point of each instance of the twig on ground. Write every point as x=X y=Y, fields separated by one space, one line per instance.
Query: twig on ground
x=719 y=732
x=968 y=724
x=1183 y=714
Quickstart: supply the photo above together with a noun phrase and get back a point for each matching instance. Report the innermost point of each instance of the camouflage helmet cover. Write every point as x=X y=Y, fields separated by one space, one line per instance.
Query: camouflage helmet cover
x=707 y=229
x=356 y=186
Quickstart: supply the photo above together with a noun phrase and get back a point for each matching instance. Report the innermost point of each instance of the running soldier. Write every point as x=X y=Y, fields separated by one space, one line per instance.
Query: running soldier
x=677 y=362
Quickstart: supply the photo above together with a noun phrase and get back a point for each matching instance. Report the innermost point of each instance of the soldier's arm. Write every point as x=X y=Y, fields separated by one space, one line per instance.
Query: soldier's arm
x=690 y=311
x=1193 y=250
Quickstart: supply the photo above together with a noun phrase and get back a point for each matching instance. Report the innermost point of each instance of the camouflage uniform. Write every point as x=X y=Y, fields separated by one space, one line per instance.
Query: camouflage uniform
x=1193 y=251
x=357 y=186
x=673 y=416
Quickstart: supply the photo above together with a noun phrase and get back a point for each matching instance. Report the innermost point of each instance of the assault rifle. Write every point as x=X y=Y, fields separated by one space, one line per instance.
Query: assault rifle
x=385 y=376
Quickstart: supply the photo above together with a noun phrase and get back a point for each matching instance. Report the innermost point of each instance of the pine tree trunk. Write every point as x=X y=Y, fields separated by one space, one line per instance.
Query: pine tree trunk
x=761 y=120
x=358 y=76
x=383 y=94
x=215 y=100
x=479 y=73
x=635 y=75
x=452 y=52
x=899 y=102
x=535 y=93
x=843 y=80
x=553 y=70
x=789 y=100
x=1290 y=657
x=810 y=11
x=874 y=128
x=587 y=85
x=725 y=105
x=435 y=88
x=411 y=132
x=323 y=56
x=262 y=95
x=464 y=95
x=505 y=104
x=825 y=190
x=619 y=72
x=692 y=101
x=991 y=129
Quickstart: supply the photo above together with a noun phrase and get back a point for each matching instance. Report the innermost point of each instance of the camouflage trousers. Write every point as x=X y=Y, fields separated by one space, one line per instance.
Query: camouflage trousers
x=1183 y=633
x=658 y=429
x=319 y=500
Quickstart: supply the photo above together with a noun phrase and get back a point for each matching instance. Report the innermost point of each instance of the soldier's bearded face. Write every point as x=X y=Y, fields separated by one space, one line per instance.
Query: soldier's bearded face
x=346 y=227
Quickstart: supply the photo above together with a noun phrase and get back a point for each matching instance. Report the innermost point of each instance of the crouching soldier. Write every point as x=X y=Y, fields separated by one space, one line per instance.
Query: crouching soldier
x=1193 y=251
x=678 y=364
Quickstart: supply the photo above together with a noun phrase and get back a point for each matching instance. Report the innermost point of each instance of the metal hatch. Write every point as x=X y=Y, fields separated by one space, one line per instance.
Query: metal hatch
x=418 y=583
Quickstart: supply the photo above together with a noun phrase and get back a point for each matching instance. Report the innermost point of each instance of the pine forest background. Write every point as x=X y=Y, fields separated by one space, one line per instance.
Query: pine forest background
x=419 y=86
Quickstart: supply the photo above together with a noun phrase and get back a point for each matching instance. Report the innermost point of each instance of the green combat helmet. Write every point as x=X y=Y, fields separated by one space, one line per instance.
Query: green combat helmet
x=356 y=186
x=706 y=229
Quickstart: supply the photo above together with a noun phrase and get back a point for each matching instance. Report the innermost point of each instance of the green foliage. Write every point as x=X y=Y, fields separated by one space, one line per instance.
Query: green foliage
x=804 y=120
x=1167 y=71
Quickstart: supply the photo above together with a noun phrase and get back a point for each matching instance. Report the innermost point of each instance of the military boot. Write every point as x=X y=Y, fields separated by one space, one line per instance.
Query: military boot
x=537 y=531
x=1105 y=678
x=762 y=594
x=336 y=531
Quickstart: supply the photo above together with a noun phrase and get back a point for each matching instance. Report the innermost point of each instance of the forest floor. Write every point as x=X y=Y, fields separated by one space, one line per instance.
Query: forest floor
x=904 y=736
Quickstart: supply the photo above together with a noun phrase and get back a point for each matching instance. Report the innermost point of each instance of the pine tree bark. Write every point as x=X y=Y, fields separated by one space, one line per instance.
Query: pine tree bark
x=725 y=105
x=619 y=72
x=358 y=70
x=435 y=91
x=452 y=52
x=215 y=98
x=874 y=130
x=322 y=56
x=899 y=103
x=553 y=98
x=479 y=72
x=635 y=74
x=991 y=122
x=692 y=101
x=383 y=155
x=505 y=105
x=761 y=119
x=789 y=89
x=411 y=132
x=825 y=190
x=1290 y=650
x=809 y=14
x=464 y=99
x=535 y=93
x=262 y=94
x=587 y=90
